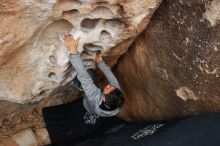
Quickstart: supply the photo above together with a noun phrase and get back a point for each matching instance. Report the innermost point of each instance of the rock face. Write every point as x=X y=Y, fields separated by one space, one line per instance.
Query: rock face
x=33 y=58
x=25 y=138
x=173 y=68
x=34 y=61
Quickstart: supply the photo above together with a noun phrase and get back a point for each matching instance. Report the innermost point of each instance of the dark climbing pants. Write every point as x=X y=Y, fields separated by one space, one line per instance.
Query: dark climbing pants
x=78 y=83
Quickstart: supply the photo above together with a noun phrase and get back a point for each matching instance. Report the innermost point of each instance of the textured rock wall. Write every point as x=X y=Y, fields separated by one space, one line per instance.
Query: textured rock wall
x=173 y=68
x=33 y=58
x=34 y=61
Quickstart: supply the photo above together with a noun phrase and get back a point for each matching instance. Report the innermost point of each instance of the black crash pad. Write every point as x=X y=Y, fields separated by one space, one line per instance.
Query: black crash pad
x=71 y=125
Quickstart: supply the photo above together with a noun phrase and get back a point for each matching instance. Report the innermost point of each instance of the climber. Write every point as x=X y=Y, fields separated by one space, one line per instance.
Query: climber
x=104 y=103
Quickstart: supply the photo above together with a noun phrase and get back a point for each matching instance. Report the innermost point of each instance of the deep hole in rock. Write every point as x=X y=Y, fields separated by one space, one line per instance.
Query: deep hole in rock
x=74 y=1
x=121 y=10
x=42 y=93
x=88 y=60
x=52 y=59
x=52 y=76
x=57 y=27
x=87 y=54
x=77 y=2
x=105 y=36
x=73 y=12
x=102 y=12
x=102 y=3
x=91 y=47
x=89 y=23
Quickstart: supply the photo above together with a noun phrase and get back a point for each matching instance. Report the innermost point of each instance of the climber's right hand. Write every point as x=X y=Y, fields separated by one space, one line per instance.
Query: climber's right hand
x=98 y=58
x=71 y=43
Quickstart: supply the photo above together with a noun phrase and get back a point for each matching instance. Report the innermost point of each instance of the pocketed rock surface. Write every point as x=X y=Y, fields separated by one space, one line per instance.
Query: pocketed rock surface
x=169 y=63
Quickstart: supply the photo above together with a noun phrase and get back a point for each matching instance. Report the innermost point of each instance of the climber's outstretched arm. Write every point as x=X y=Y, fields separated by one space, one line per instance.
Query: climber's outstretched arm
x=88 y=86
x=107 y=72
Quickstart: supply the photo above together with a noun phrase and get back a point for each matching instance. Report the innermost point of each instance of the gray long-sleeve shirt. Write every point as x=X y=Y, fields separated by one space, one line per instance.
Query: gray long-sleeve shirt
x=92 y=98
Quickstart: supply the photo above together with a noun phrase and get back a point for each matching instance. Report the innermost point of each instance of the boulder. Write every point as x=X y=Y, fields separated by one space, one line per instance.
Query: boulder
x=173 y=68
x=33 y=58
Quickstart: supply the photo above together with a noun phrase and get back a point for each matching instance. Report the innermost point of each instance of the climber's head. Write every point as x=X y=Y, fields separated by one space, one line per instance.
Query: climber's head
x=112 y=98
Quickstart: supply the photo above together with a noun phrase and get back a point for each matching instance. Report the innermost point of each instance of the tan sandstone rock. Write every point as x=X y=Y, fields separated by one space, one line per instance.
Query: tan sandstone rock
x=42 y=136
x=25 y=138
x=173 y=69
x=34 y=60
x=7 y=141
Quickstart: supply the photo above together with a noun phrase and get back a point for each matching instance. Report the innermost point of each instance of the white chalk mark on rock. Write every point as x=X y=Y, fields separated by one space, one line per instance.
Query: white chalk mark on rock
x=185 y=94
